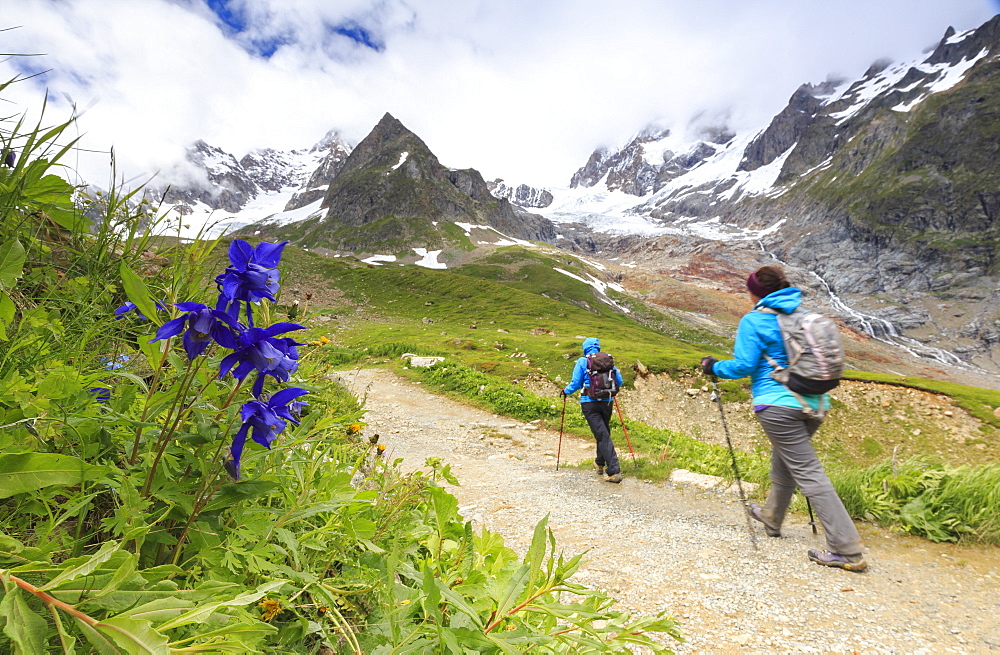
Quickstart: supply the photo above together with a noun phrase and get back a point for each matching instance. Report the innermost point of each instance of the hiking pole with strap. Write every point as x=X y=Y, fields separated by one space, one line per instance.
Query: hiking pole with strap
x=561 y=422
x=717 y=397
x=621 y=419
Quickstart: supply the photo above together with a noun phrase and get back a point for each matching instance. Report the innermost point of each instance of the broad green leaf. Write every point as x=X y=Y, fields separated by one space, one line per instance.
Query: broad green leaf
x=102 y=645
x=84 y=565
x=201 y=614
x=137 y=291
x=124 y=572
x=513 y=590
x=536 y=552
x=26 y=629
x=152 y=351
x=134 y=637
x=12 y=259
x=251 y=630
x=26 y=472
x=461 y=604
x=158 y=610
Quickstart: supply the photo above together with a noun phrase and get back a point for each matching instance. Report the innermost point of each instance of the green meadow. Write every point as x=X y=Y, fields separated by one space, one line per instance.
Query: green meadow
x=510 y=327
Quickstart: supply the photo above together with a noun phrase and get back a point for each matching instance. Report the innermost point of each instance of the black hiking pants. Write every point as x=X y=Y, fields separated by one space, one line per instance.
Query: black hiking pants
x=598 y=415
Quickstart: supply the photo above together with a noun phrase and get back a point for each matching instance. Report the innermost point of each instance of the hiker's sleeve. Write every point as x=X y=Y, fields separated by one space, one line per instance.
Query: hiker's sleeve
x=576 y=383
x=618 y=377
x=746 y=352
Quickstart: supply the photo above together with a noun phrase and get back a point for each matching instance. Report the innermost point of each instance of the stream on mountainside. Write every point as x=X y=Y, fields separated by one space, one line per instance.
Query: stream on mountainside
x=884 y=331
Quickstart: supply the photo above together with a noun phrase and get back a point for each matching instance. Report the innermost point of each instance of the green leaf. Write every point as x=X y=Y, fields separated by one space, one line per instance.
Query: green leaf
x=7 y=313
x=536 y=552
x=66 y=640
x=83 y=565
x=238 y=492
x=12 y=260
x=137 y=291
x=201 y=614
x=124 y=572
x=26 y=629
x=102 y=645
x=134 y=637
x=26 y=472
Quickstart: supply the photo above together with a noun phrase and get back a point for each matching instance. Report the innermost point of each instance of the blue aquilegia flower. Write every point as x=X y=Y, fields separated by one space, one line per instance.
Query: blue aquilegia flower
x=261 y=350
x=130 y=307
x=264 y=421
x=251 y=276
x=204 y=325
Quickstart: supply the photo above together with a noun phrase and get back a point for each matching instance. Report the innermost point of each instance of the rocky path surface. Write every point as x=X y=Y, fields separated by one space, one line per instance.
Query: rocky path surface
x=666 y=547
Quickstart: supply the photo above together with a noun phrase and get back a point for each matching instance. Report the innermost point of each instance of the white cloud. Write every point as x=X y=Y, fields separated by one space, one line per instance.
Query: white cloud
x=521 y=90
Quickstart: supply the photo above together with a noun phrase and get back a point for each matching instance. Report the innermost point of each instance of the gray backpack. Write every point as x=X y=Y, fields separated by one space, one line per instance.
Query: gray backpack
x=815 y=352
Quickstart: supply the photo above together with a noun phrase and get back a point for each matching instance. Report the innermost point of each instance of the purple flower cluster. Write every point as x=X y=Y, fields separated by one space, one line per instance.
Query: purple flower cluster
x=251 y=276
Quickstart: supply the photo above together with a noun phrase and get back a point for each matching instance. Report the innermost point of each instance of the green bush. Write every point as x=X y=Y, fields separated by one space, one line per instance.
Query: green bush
x=130 y=521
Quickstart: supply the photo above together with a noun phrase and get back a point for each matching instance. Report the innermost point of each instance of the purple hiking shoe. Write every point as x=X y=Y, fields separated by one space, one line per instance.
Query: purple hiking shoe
x=854 y=563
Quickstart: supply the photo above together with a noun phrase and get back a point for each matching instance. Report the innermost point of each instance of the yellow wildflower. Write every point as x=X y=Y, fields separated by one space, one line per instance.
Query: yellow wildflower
x=354 y=428
x=324 y=340
x=270 y=608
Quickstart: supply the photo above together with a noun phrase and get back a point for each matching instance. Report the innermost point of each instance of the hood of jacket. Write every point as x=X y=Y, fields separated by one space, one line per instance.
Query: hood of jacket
x=591 y=345
x=785 y=301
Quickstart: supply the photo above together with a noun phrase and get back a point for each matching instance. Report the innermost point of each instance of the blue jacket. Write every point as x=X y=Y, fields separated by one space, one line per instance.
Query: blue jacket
x=580 y=379
x=758 y=334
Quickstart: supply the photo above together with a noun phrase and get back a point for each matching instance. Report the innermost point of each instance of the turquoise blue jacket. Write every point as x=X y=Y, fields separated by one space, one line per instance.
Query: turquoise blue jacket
x=758 y=334
x=580 y=380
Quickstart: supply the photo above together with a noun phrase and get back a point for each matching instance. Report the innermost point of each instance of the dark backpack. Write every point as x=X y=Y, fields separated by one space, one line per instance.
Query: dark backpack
x=815 y=352
x=601 y=375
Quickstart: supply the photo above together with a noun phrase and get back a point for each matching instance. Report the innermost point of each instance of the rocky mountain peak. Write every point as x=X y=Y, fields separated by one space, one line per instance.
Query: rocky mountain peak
x=332 y=140
x=650 y=160
x=521 y=195
x=955 y=46
x=392 y=192
x=209 y=176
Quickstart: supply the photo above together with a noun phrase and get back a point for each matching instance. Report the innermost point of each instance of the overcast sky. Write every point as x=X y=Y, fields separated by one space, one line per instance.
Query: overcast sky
x=519 y=89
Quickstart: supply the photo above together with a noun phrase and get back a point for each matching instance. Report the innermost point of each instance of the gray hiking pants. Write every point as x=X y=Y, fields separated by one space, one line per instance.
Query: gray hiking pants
x=794 y=464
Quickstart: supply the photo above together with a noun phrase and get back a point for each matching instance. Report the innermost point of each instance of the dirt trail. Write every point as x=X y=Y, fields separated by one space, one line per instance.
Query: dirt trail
x=664 y=547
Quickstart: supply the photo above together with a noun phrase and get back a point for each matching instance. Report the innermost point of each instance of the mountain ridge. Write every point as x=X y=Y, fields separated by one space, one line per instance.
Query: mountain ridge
x=875 y=191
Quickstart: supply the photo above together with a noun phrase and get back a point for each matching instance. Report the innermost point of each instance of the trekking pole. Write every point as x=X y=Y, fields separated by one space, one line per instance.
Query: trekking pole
x=812 y=519
x=621 y=419
x=561 y=422
x=717 y=397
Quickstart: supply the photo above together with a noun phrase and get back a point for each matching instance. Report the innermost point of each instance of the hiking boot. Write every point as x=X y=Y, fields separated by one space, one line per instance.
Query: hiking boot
x=615 y=477
x=598 y=468
x=854 y=563
x=754 y=511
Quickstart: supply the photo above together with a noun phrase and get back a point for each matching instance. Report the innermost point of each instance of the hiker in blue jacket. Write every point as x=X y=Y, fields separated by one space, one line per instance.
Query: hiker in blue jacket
x=597 y=412
x=788 y=424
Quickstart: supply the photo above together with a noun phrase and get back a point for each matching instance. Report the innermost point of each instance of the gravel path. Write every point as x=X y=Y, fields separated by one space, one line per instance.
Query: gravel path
x=667 y=547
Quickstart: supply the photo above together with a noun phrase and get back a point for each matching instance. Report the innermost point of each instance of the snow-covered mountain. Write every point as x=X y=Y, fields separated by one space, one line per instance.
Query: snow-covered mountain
x=883 y=192
x=213 y=190
x=676 y=178
x=522 y=195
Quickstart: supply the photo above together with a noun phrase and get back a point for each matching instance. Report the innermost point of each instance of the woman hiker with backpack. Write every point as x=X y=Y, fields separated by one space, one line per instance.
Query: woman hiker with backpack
x=597 y=410
x=789 y=420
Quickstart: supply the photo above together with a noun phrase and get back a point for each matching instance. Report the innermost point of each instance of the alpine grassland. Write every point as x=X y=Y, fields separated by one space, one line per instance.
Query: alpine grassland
x=510 y=328
x=180 y=474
